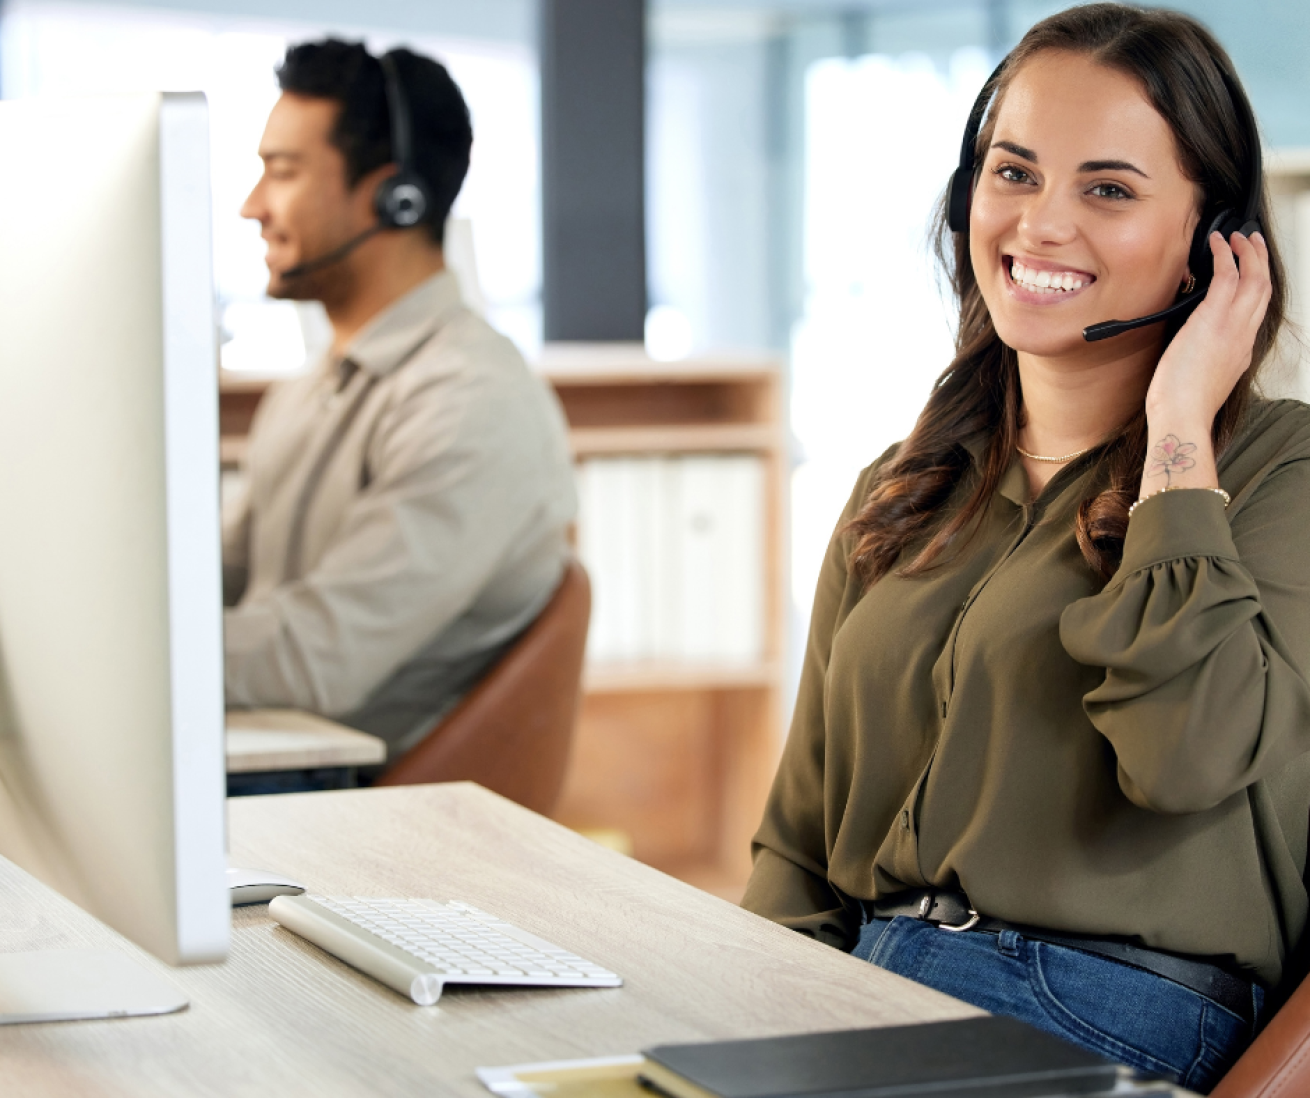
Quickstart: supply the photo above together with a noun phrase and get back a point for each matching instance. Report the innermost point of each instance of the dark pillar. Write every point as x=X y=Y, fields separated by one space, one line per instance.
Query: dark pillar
x=593 y=179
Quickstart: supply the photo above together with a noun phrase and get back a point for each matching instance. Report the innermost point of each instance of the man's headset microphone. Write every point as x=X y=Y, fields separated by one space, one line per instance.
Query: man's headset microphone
x=1200 y=260
x=402 y=200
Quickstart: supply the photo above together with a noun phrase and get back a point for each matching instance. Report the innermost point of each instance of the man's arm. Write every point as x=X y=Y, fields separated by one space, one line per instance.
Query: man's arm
x=236 y=545
x=457 y=478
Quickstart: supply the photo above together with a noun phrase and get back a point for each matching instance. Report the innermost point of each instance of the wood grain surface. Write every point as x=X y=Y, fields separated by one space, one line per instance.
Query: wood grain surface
x=287 y=739
x=281 y=1017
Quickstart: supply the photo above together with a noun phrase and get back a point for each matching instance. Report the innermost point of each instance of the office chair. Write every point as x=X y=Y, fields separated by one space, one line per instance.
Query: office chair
x=512 y=731
x=1277 y=1065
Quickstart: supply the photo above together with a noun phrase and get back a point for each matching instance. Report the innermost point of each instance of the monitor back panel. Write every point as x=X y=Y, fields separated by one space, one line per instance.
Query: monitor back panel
x=111 y=702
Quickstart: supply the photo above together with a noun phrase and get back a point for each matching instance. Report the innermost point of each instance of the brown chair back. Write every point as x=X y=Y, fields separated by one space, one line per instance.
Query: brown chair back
x=1278 y=1061
x=512 y=731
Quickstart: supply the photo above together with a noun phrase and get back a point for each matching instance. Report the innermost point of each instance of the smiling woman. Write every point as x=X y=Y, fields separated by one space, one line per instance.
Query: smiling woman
x=1081 y=742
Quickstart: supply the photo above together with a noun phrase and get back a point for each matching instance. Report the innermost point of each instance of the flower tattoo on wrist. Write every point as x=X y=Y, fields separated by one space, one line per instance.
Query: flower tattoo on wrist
x=1171 y=456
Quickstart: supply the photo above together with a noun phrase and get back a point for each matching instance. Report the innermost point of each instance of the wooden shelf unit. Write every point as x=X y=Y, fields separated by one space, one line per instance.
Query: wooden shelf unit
x=679 y=755
x=676 y=755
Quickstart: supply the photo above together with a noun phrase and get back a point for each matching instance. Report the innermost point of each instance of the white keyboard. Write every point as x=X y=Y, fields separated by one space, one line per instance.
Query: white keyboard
x=416 y=947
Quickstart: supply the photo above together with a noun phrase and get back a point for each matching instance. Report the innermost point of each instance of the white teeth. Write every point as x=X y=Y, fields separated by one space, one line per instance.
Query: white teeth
x=1044 y=282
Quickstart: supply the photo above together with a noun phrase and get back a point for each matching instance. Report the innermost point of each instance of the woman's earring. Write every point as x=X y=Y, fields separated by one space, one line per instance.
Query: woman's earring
x=1191 y=284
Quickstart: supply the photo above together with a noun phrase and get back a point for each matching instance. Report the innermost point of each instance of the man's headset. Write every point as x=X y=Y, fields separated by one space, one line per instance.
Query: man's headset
x=402 y=200
x=1200 y=260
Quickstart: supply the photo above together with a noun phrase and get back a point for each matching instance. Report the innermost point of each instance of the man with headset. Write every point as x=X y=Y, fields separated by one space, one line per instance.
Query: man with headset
x=408 y=500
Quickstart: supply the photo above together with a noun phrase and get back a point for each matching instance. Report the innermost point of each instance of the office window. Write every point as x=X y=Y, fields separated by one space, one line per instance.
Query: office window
x=876 y=327
x=53 y=48
x=708 y=182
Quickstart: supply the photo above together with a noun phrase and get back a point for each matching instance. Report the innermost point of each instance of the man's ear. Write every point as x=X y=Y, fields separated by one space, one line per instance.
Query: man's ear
x=366 y=189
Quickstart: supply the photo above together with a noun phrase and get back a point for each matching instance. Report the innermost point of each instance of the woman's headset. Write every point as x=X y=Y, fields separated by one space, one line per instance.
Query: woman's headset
x=1200 y=261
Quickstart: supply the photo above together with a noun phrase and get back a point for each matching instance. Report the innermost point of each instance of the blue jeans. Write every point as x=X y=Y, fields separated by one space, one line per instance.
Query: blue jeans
x=263 y=782
x=1123 y=1013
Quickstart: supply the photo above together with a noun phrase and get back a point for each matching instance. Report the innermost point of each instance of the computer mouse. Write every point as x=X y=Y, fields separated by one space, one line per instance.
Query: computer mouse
x=258 y=886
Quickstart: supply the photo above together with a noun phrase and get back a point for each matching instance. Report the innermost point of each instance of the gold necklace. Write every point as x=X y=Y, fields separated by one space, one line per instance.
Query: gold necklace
x=1053 y=460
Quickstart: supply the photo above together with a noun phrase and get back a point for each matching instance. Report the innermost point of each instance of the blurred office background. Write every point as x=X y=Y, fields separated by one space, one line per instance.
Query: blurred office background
x=795 y=149
x=794 y=152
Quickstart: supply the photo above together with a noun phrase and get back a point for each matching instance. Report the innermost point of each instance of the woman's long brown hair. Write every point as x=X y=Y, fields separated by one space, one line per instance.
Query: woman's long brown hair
x=1177 y=61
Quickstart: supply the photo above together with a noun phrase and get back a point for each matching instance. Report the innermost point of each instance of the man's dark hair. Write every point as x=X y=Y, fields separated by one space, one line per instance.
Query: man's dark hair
x=346 y=73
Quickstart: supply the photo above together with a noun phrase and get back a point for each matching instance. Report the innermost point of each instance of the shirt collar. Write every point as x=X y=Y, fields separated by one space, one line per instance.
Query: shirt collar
x=1014 y=481
x=391 y=336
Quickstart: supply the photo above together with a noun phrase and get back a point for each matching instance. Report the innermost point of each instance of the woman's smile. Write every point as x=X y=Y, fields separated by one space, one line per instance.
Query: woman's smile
x=1034 y=281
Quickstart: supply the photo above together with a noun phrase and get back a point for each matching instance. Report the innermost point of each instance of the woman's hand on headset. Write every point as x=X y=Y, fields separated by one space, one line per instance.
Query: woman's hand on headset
x=1201 y=365
x=1213 y=349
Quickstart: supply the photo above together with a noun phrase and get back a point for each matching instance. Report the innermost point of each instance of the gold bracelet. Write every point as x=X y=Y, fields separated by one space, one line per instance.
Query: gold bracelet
x=1181 y=488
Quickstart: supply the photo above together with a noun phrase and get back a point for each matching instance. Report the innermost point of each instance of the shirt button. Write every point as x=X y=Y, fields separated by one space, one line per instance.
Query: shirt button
x=905 y=818
x=943 y=707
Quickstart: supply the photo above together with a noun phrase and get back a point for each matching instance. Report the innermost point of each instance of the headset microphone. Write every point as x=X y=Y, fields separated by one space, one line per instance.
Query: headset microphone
x=334 y=256
x=1108 y=328
x=1200 y=260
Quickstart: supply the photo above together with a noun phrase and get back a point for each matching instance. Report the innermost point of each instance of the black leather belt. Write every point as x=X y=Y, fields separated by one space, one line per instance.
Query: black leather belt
x=951 y=912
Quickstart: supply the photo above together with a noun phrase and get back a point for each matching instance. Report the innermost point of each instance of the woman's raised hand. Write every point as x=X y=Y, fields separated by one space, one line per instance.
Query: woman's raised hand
x=1198 y=370
x=1201 y=365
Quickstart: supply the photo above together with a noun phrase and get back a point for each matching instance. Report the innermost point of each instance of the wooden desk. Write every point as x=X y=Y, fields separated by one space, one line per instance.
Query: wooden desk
x=261 y=740
x=283 y=1018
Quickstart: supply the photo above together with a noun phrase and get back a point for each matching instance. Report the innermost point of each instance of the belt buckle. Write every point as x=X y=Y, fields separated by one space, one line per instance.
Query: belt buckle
x=974 y=920
x=926 y=906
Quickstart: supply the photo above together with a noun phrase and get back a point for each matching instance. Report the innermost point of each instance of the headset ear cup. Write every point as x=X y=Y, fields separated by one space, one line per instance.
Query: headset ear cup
x=958 y=199
x=401 y=201
x=1200 y=261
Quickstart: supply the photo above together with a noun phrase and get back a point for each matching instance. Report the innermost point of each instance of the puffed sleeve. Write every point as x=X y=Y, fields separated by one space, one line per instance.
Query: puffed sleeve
x=789 y=882
x=1204 y=634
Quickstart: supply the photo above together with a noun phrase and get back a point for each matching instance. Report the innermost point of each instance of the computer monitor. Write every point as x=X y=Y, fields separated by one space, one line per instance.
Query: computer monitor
x=111 y=691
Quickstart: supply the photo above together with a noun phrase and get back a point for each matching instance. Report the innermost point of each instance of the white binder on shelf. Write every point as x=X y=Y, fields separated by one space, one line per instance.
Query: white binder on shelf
x=665 y=577
x=675 y=546
x=598 y=543
x=740 y=625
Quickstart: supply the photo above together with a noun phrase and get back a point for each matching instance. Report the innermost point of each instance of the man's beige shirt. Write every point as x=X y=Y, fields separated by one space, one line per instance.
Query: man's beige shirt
x=405 y=516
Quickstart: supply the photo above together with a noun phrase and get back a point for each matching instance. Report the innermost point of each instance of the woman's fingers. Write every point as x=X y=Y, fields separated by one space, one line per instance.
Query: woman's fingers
x=1254 y=287
x=1225 y=267
x=1264 y=278
x=1241 y=288
x=1252 y=255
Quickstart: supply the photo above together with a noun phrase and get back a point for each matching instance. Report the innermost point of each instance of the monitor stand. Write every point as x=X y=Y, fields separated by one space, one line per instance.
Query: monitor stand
x=66 y=985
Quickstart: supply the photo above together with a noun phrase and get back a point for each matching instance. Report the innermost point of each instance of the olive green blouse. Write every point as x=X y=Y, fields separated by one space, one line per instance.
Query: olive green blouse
x=1125 y=759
